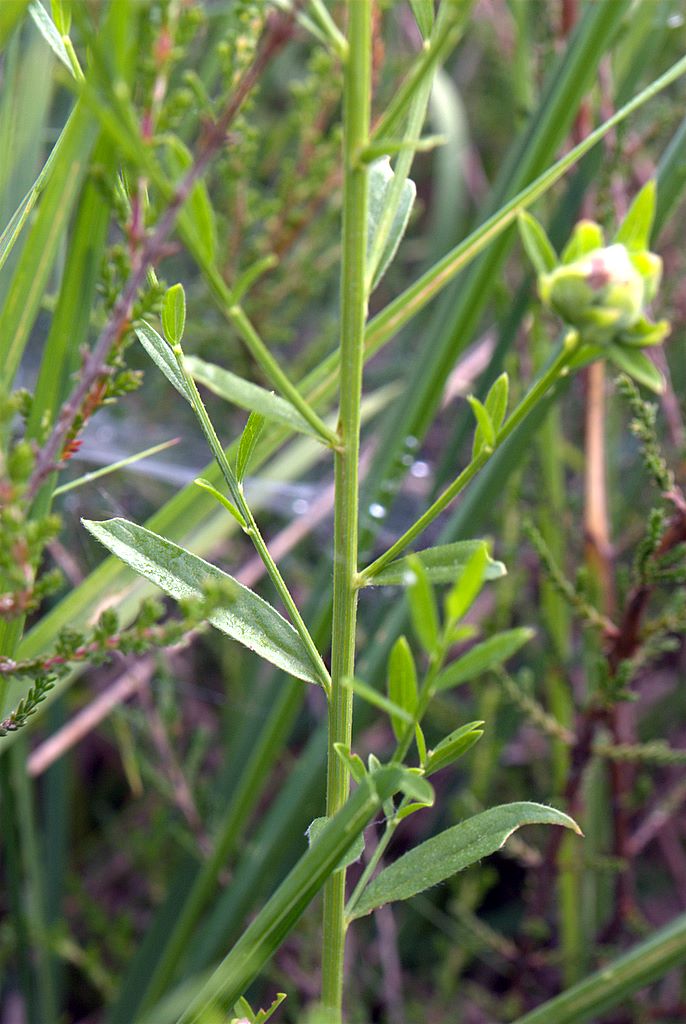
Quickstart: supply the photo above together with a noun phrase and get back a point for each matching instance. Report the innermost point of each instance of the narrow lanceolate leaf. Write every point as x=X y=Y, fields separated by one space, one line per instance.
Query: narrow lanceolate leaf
x=468 y=585
x=453 y=746
x=249 y=438
x=163 y=357
x=247 y=395
x=46 y=27
x=376 y=699
x=402 y=683
x=486 y=655
x=636 y=228
x=174 y=314
x=380 y=184
x=453 y=850
x=538 y=246
x=423 y=11
x=637 y=365
x=497 y=400
x=423 y=609
x=247 y=618
x=484 y=434
x=442 y=564
x=351 y=855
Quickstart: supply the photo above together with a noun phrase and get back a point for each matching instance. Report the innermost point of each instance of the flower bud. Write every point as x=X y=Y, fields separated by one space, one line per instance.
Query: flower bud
x=602 y=293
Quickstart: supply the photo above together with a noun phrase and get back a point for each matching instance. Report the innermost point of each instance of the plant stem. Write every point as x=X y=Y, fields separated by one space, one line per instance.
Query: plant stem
x=356 y=115
x=556 y=369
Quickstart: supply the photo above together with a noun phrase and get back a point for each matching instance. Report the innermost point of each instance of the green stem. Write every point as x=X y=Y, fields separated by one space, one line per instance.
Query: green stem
x=356 y=114
x=557 y=368
x=251 y=528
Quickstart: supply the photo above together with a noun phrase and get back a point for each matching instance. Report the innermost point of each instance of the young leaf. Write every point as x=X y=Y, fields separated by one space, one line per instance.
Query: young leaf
x=353 y=762
x=468 y=585
x=174 y=314
x=453 y=850
x=402 y=682
x=380 y=181
x=635 y=230
x=376 y=699
x=497 y=399
x=351 y=855
x=248 y=442
x=637 y=365
x=485 y=431
x=421 y=743
x=453 y=746
x=536 y=243
x=443 y=564
x=162 y=356
x=423 y=609
x=247 y=618
x=264 y=1015
x=483 y=656
x=248 y=395
x=222 y=499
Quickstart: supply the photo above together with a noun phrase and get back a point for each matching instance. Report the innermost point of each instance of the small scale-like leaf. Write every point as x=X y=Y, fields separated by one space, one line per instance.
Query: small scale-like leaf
x=402 y=682
x=536 y=243
x=248 y=442
x=163 y=357
x=637 y=365
x=468 y=585
x=443 y=564
x=586 y=237
x=247 y=619
x=247 y=395
x=380 y=180
x=453 y=850
x=497 y=399
x=423 y=609
x=635 y=230
x=484 y=656
x=376 y=699
x=350 y=856
x=485 y=431
x=453 y=746
x=174 y=314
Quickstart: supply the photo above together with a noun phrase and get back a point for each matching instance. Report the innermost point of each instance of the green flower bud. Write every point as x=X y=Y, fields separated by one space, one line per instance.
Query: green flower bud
x=603 y=293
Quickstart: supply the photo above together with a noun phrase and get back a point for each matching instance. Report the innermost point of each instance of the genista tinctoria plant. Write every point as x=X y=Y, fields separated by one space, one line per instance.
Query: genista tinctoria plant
x=176 y=165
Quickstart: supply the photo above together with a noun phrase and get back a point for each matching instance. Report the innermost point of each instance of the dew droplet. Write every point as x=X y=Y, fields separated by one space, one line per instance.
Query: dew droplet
x=675 y=21
x=376 y=510
x=300 y=506
x=411 y=442
x=420 y=469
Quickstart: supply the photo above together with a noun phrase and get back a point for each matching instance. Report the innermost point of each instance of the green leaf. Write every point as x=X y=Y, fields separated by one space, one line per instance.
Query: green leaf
x=222 y=499
x=423 y=609
x=11 y=13
x=248 y=442
x=637 y=365
x=423 y=11
x=635 y=230
x=417 y=787
x=247 y=619
x=200 y=219
x=248 y=395
x=61 y=15
x=468 y=585
x=443 y=564
x=402 y=682
x=484 y=435
x=376 y=699
x=453 y=850
x=353 y=762
x=484 y=656
x=380 y=182
x=497 y=400
x=264 y=1015
x=163 y=357
x=46 y=27
x=174 y=314
x=536 y=243
x=453 y=746
x=352 y=854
